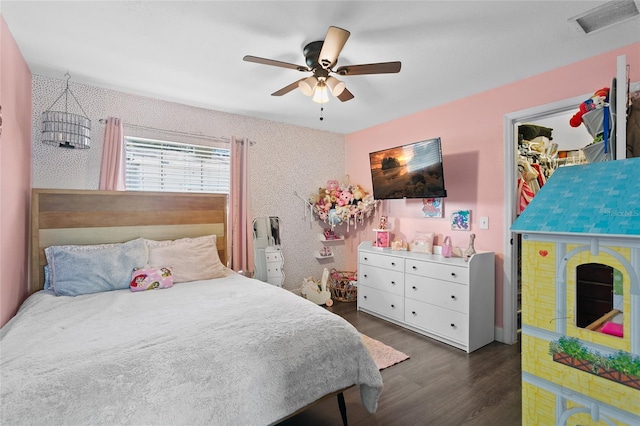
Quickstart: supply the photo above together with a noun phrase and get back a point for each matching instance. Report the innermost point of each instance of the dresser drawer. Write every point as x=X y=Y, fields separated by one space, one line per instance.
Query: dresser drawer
x=273 y=256
x=441 y=293
x=274 y=269
x=381 y=261
x=277 y=280
x=449 y=324
x=439 y=271
x=381 y=279
x=384 y=303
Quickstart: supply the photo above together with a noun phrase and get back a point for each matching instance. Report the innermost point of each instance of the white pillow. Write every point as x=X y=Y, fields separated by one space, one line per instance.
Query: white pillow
x=190 y=259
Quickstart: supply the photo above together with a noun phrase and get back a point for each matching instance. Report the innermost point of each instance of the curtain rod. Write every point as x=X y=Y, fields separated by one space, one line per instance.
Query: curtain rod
x=174 y=132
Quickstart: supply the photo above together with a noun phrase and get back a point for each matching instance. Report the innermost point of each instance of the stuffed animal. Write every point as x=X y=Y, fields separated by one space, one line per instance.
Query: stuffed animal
x=345 y=197
x=358 y=193
x=332 y=184
x=598 y=100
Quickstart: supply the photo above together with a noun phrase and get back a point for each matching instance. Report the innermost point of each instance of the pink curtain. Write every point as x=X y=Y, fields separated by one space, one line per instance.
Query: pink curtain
x=240 y=243
x=112 y=169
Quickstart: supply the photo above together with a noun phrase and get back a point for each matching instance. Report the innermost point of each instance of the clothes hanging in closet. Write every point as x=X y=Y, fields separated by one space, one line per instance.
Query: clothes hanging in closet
x=534 y=163
x=633 y=128
x=525 y=195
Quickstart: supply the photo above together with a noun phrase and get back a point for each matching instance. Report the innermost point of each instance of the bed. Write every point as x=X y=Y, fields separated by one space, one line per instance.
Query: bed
x=216 y=351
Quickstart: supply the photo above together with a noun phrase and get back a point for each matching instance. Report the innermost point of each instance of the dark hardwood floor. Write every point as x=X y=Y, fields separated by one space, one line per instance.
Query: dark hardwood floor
x=439 y=385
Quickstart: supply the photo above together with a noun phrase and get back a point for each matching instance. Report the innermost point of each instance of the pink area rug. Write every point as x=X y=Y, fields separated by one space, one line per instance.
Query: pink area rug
x=384 y=356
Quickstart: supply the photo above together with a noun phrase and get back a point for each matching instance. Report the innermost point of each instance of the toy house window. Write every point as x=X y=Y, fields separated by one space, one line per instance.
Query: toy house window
x=599 y=298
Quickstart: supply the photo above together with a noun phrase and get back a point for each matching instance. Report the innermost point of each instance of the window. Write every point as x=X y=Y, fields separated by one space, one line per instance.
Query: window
x=599 y=298
x=155 y=165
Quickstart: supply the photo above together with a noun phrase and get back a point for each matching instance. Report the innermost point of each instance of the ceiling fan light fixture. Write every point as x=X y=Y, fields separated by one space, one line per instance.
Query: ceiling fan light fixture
x=308 y=85
x=336 y=86
x=321 y=93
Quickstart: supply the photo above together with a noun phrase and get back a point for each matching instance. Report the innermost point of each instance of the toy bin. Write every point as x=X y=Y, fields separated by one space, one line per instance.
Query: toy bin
x=343 y=285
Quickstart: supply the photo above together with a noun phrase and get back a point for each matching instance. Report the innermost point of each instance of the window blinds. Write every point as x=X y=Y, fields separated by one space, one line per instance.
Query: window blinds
x=154 y=165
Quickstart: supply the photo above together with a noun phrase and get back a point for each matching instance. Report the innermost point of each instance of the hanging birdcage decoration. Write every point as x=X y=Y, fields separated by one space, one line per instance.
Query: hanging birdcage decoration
x=64 y=128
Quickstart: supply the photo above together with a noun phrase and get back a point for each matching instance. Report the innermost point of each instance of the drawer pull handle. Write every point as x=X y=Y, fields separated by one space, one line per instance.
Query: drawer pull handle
x=364 y=297
x=414 y=267
x=414 y=287
x=413 y=313
x=393 y=263
x=453 y=274
x=393 y=283
x=365 y=275
x=453 y=297
x=393 y=306
x=366 y=258
x=452 y=325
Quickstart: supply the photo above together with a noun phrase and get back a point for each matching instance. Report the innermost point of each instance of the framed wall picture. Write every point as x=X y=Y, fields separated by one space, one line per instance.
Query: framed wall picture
x=432 y=207
x=461 y=220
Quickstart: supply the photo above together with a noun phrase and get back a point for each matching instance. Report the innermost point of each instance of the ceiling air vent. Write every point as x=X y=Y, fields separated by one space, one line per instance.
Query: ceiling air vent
x=605 y=16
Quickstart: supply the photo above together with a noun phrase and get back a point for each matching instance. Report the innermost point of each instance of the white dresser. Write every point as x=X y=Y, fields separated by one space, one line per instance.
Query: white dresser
x=447 y=299
x=274 y=265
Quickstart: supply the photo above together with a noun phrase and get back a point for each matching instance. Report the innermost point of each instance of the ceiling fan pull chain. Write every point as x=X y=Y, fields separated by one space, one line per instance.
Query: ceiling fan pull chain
x=321 y=109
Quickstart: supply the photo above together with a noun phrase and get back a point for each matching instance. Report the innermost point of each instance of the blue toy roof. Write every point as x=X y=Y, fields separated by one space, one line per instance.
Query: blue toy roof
x=589 y=199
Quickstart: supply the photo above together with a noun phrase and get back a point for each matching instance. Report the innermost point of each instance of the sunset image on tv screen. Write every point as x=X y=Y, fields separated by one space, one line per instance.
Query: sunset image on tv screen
x=409 y=171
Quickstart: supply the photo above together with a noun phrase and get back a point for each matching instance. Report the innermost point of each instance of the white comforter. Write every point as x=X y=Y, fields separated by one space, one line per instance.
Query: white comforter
x=230 y=351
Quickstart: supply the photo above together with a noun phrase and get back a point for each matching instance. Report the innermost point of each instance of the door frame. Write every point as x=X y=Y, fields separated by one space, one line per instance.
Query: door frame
x=510 y=250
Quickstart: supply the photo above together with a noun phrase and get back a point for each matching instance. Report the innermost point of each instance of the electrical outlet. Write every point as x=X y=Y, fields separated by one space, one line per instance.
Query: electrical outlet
x=484 y=222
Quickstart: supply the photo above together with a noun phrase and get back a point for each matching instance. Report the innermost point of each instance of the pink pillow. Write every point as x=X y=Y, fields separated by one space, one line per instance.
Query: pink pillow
x=423 y=242
x=151 y=278
x=613 y=329
x=191 y=259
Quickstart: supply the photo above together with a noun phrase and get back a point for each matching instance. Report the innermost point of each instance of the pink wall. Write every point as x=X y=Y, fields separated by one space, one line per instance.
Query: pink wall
x=473 y=148
x=15 y=174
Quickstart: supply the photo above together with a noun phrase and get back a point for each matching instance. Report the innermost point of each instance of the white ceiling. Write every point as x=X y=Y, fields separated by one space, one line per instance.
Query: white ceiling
x=191 y=51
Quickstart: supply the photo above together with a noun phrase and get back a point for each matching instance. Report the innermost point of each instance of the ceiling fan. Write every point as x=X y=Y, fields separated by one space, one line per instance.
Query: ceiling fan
x=321 y=57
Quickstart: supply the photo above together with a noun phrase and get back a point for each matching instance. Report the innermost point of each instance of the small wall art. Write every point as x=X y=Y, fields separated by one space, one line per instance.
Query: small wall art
x=432 y=207
x=461 y=220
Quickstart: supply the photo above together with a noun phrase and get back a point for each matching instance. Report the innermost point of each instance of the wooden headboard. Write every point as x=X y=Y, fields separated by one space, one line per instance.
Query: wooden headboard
x=63 y=216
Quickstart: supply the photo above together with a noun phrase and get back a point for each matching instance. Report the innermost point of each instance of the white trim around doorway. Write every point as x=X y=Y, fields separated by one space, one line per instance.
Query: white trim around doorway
x=511 y=120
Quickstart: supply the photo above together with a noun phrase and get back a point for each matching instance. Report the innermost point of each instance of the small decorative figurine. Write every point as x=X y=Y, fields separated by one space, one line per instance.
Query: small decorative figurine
x=325 y=251
x=399 y=245
x=383 y=222
x=470 y=251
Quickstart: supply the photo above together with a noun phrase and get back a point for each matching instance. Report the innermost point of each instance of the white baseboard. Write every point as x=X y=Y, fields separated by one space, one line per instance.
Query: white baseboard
x=498 y=334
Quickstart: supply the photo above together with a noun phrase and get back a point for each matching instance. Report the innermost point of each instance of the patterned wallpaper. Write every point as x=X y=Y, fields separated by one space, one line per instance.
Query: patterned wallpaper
x=285 y=159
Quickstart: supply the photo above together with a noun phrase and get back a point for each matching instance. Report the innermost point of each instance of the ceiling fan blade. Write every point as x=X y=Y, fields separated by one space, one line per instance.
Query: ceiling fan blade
x=379 y=68
x=345 y=96
x=332 y=46
x=273 y=62
x=287 y=89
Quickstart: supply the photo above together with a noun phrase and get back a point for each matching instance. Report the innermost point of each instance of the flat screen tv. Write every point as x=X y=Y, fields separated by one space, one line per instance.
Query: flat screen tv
x=408 y=171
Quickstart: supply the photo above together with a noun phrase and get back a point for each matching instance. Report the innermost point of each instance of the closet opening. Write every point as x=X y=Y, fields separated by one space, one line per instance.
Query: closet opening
x=511 y=279
x=556 y=112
